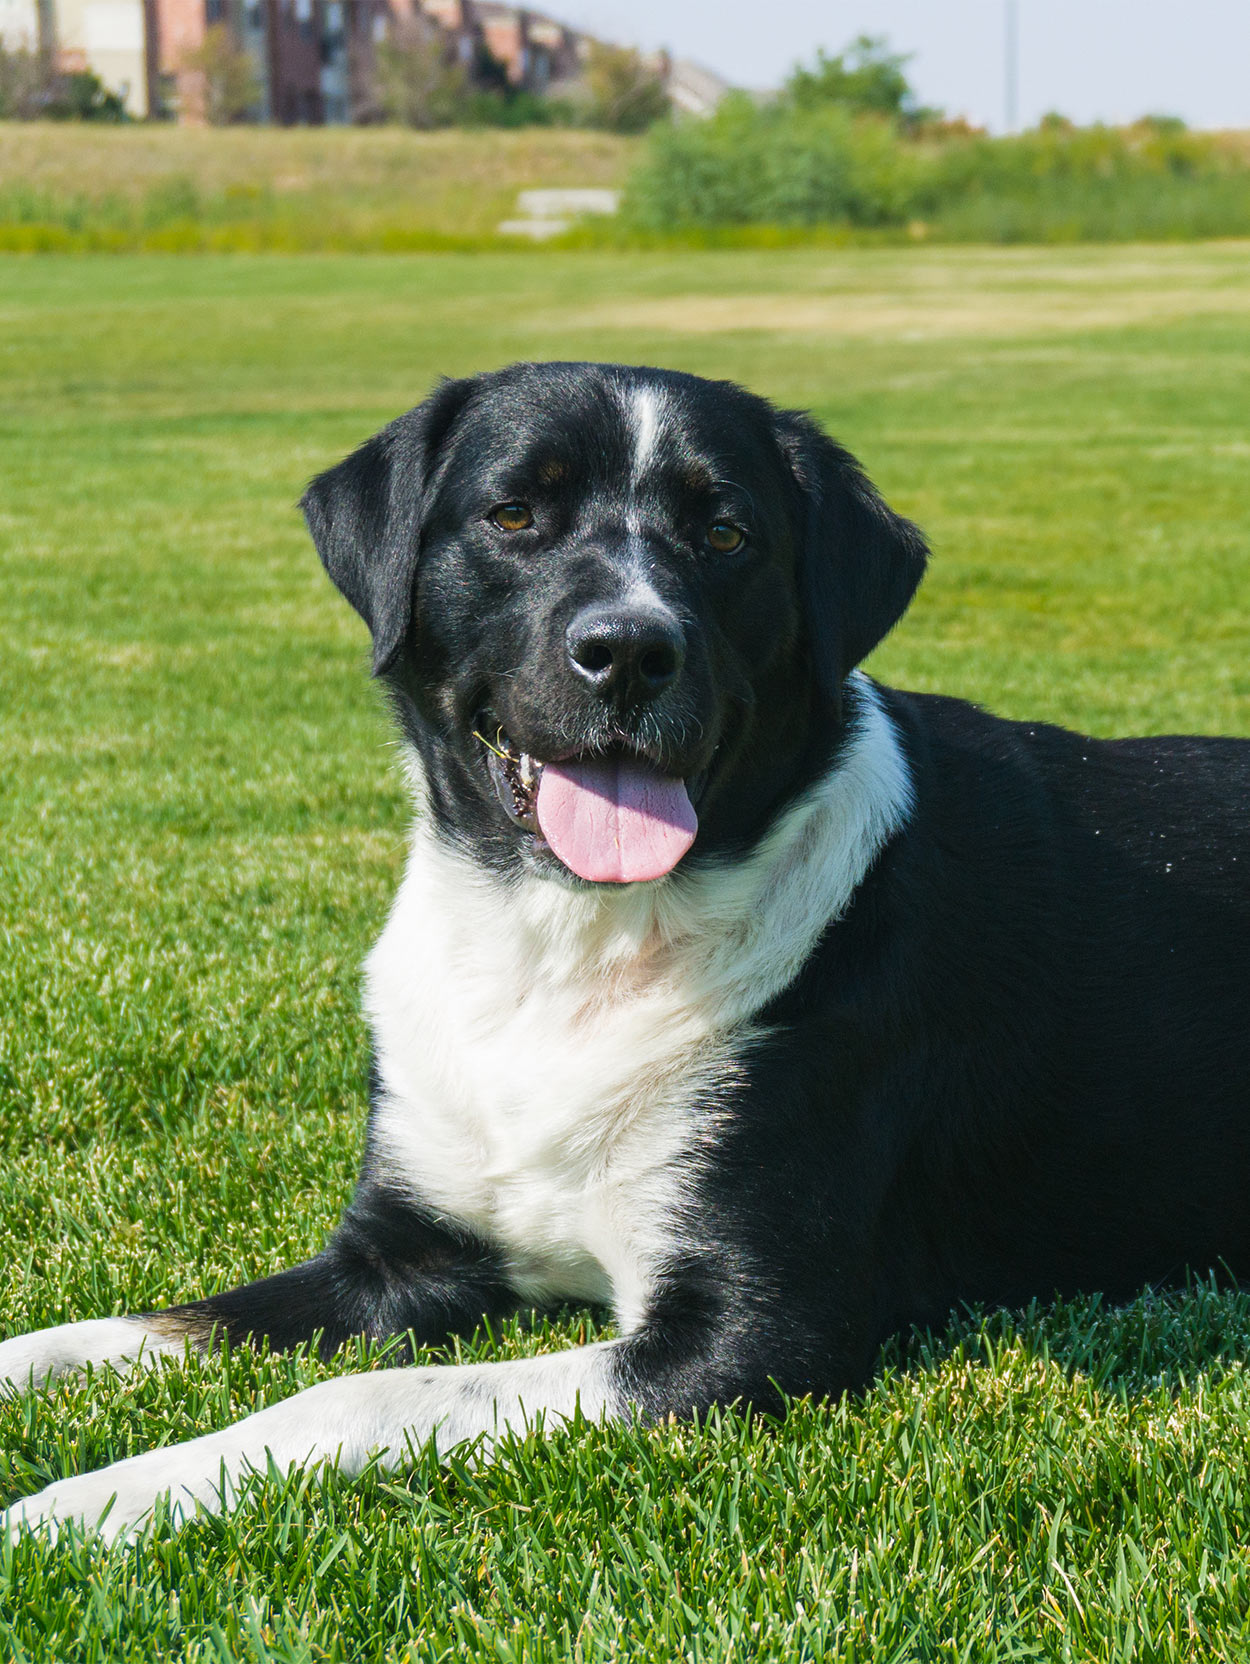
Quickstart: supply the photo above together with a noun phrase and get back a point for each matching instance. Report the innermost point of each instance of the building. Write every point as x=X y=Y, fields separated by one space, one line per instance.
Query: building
x=19 y=25
x=313 y=59
x=108 y=36
x=692 y=89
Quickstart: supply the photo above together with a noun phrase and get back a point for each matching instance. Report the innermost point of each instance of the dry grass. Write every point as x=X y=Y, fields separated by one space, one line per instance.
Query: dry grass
x=1013 y=295
x=459 y=182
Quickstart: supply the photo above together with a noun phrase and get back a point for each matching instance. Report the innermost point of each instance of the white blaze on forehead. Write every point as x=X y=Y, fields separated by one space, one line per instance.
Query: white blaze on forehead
x=645 y=416
x=645 y=413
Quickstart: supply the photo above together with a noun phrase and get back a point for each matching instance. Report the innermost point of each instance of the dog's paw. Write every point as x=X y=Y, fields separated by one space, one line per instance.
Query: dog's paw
x=116 y=1503
x=27 y=1362
x=92 y=1502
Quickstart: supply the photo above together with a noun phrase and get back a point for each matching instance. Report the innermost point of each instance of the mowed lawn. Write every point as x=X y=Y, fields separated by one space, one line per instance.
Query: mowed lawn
x=202 y=822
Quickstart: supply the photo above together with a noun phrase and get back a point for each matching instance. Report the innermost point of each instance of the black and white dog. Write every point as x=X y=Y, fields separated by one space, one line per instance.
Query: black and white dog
x=770 y=1007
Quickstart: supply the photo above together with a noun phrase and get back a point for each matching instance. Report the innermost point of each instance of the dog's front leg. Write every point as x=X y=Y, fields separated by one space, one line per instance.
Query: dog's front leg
x=683 y=1361
x=390 y=1269
x=345 y=1421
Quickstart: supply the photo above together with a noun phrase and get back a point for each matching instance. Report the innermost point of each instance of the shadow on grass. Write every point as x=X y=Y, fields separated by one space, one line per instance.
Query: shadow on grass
x=1162 y=1338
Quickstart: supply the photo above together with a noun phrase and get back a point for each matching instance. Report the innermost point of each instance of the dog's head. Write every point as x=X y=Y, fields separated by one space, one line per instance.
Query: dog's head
x=616 y=607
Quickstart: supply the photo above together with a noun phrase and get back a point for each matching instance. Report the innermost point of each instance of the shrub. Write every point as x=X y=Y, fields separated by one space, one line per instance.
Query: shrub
x=228 y=85
x=27 y=83
x=419 y=84
x=622 y=92
x=82 y=96
x=782 y=164
x=32 y=86
x=839 y=148
x=517 y=107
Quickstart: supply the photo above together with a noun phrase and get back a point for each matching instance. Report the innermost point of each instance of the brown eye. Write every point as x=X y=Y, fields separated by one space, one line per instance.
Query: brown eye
x=724 y=536
x=512 y=517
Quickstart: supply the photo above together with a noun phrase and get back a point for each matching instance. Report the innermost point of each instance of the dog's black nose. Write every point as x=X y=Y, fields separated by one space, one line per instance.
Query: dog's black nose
x=630 y=656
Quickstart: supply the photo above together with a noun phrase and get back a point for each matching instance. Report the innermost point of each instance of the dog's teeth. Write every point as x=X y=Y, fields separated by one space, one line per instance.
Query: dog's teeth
x=529 y=771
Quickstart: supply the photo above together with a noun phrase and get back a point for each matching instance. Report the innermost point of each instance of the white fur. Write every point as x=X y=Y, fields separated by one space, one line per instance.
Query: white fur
x=645 y=411
x=67 y=1349
x=551 y=1057
x=346 y=1421
x=645 y=414
x=550 y=1061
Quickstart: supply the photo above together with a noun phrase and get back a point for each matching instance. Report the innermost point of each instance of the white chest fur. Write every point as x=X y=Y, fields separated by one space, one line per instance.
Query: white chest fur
x=551 y=1058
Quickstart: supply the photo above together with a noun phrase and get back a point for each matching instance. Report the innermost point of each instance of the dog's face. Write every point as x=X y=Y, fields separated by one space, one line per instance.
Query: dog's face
x=615 y=607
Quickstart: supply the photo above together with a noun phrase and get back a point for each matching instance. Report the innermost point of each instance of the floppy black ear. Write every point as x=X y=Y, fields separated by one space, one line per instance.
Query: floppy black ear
x=366 y=517
x=859 y=562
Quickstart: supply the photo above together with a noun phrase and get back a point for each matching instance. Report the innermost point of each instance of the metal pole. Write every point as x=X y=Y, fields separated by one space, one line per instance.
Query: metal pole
x=1012 y=65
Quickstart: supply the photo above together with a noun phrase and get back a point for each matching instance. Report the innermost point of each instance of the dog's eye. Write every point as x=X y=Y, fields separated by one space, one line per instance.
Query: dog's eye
x=512 y=517
x=725 y=537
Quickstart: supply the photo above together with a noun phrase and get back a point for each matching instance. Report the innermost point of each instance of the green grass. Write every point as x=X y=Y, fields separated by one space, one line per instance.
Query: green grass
x=202 y=825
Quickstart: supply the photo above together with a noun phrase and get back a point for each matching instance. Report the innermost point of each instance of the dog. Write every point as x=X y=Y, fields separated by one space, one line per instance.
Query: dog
x=770 y=1007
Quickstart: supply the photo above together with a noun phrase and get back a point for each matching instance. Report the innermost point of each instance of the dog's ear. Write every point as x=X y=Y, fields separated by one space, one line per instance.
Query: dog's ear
x=859 y=562
x=366 y=517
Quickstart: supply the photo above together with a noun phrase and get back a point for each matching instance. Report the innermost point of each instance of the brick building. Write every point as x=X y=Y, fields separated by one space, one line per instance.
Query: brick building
x=313 y=59
x=304 y=53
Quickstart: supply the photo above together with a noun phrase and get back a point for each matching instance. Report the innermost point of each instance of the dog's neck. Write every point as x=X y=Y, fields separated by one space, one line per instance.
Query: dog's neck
x=730 y=935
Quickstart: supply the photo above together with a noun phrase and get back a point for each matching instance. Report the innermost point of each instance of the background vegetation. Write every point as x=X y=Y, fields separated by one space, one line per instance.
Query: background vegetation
x=844 y=154
x=772 y=177
x=201 y=824
x=847 y=143
x=244 y=189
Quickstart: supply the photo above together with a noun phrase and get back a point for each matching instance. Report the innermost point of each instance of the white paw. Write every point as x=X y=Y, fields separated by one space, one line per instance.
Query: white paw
x=28 y=1361
x=86 y=1502
x=117 y=1502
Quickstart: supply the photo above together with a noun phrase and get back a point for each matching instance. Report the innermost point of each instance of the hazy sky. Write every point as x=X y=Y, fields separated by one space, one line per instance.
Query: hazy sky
x=1091 y=59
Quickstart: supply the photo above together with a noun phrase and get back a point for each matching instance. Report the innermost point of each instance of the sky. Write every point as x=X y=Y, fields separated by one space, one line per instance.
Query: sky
x=1108 y=60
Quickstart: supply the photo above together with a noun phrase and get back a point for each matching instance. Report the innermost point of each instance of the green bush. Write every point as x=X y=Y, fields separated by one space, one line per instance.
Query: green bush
x=31 y=86
x=26 y=80
x=776 y=163
x=230 y=88
x=1065 y=183
x=799 y=162
x=82 y=96
x=621 y=92
x=513 y=107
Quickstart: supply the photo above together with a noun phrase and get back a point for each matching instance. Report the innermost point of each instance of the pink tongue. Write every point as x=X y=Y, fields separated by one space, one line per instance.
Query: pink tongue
x=614 y=821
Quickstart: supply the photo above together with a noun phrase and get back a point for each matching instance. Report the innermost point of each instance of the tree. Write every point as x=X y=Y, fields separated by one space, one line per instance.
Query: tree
x=27 y=83
x=419 y=85
x=622 y=92
x=228 y=84
x=867 y=79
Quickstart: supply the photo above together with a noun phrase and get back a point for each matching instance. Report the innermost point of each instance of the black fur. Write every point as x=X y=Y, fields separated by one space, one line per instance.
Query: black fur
x=1020 y=1063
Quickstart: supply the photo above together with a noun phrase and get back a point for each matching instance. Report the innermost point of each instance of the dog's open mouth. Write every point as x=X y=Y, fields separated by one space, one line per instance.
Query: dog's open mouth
x=610 y=816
